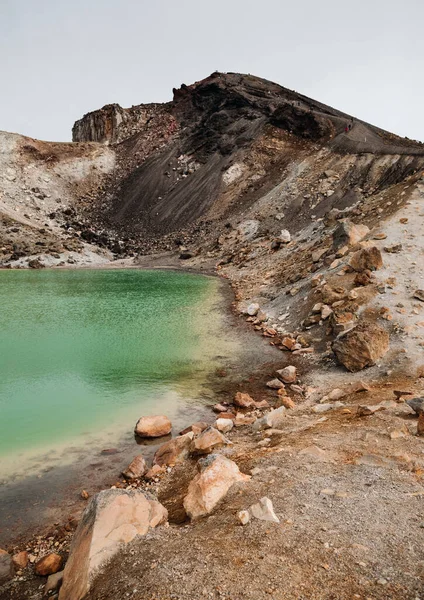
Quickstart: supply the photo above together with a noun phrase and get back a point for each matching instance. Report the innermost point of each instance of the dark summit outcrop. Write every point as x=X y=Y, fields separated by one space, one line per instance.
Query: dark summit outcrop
x=225 y=142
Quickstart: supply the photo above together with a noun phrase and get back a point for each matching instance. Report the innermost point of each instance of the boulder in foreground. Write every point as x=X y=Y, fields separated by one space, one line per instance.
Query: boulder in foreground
x=362 y=346
x=153 y=426
x=217 y=474
x=113 y=518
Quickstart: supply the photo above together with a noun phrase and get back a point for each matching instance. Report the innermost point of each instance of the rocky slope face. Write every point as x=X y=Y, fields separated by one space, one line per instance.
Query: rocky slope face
x=316 y=219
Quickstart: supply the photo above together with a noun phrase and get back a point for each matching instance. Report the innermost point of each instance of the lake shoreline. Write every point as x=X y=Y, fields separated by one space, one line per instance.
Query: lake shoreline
x=100 y=471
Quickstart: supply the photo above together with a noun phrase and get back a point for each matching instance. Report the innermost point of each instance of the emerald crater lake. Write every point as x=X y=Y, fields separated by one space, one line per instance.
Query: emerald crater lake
x=85 y=353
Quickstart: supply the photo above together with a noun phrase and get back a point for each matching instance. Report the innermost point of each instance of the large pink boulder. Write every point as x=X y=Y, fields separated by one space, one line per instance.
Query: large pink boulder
x=153 y=426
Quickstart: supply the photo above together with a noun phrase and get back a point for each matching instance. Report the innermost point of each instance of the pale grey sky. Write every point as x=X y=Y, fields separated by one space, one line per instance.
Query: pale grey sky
x=60 y=59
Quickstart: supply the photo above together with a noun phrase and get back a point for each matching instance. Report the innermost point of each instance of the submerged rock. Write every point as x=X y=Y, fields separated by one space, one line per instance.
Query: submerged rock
x=217 y=475
x=153 y=426
x=113 y=518
x=136 y=469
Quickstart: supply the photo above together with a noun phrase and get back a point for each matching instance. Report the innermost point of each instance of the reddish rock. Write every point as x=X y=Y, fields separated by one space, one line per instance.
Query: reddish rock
x=226 y=415
x=174 y=451
x=243 y=400
x=154 y=472
x=366 y=259
x=362 y=346
x=153 y=426
x=196 y=428
x=208 y=441
x=20 y=560
x=52 y=563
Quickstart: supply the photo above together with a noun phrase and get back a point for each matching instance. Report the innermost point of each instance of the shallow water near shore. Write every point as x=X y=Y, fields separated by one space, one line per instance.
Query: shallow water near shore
x=85 y=353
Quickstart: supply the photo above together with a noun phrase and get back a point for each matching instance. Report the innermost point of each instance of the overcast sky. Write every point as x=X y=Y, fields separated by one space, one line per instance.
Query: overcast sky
x=62 y=58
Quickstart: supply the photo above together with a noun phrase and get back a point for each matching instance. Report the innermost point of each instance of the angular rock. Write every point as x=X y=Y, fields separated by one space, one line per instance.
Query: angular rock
x=208 y=441
x=7 y=570
x=417 y=405
x=196 y=428
x=248 y=229
x=348 y=234
x=174 y=451
x=272 y=420
x=48 y=565
x=287 y=402
x=264 y=510
x=217 y=475
x=136 y=469
x=419 y=295
x=224 y=425
x=53 y=583
x=218 y=408
x=20 y=560
x=241 y=420
x=113 y=518
x=243 y=516
x=362 y=346
x=153 y=426
x=154 y=472
x=288 y=374
x=275 y=384
x=366 y=259
x=243 y=400
x=284 y=236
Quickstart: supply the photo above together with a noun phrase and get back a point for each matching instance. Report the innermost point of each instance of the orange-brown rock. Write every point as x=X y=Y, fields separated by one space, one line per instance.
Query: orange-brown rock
x=362 y=346
x=174 y=451
x=153 y=426
x=208 y=441
x=366 y=259
x=196 y=428
x=243 y=400
x=20 y=560
x=154 y=472
x=52 y=563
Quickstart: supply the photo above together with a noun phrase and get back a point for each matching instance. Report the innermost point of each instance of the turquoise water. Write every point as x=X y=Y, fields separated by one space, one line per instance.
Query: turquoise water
x=85 y=353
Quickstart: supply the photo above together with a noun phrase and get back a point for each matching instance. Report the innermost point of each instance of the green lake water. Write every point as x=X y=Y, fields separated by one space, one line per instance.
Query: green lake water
x=84 y=353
